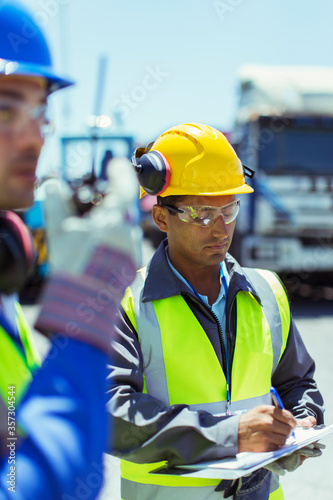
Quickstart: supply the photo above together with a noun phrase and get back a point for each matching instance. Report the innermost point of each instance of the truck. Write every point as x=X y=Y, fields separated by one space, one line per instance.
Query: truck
x=284 y=131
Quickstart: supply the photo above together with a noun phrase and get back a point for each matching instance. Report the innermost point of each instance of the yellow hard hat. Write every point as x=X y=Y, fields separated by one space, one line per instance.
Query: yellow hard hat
x=190 y=159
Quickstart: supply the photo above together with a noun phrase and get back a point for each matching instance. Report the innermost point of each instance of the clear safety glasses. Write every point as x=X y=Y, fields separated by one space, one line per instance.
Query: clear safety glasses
x=204 y=215
x=15 y=115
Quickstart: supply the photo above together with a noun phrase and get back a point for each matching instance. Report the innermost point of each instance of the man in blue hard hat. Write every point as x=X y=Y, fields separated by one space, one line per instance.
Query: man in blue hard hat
x=52 y=434
x=27 y=78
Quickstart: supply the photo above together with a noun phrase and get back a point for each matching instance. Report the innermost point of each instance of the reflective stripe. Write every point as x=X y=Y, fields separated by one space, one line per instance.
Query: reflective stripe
x=154 y=366
x=282 y=302
x=143 y=317
x=219 y=407
x=133 y=473
x=131 y=490
x=33 y=357
x=274 y=483
x=276 y=307
x=136 y=491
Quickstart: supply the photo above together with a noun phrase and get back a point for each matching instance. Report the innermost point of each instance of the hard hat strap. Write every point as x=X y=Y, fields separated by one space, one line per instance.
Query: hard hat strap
x=248 y=172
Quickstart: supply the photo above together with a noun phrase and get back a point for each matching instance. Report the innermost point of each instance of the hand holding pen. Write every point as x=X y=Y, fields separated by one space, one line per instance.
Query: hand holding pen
x=294 y=460
x=304 y=423
x=264 y=428
x=278 y=403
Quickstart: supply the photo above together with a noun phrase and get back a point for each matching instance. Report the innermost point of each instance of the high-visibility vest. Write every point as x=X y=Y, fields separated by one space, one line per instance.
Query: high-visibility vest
x=181 y=367
x=16 y=366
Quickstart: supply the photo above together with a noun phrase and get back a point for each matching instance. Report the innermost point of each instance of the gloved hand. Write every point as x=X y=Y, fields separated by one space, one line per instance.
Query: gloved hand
x=312 y=450
x=73 y=239
x=93 y=258
x=294 y=460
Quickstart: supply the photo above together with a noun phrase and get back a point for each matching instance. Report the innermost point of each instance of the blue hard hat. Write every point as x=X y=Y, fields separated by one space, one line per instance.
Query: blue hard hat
x=23 y=47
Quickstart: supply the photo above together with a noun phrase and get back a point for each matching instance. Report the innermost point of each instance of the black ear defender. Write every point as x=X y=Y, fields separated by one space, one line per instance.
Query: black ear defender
x=152 y=169
x=17 y=254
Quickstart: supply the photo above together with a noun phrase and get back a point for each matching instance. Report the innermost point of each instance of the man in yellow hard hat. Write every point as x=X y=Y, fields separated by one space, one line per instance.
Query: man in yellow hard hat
x=202 y=340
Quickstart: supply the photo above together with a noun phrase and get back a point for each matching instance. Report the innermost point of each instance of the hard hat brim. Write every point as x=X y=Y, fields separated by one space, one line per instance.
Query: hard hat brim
x=55 y=82
x=244 y=189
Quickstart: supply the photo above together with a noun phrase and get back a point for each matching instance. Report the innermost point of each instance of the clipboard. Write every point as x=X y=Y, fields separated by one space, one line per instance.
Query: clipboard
x=245 y=463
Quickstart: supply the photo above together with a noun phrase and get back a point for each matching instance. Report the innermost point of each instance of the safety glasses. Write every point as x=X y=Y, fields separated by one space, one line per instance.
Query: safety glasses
x=205 y=215
x=15 y=115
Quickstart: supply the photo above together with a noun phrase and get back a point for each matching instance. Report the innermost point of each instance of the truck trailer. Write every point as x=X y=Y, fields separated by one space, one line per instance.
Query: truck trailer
x=284 y=131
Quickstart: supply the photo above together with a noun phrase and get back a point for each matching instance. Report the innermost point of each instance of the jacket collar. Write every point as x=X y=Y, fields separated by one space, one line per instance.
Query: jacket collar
x=162 y=283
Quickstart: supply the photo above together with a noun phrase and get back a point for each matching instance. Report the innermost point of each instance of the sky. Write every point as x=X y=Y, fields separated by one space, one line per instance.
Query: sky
x=173 y=62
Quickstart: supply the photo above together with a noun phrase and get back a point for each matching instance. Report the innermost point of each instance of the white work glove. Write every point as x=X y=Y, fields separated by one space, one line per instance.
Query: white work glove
x=93 y=258
x=73 y=239
x=293 y=461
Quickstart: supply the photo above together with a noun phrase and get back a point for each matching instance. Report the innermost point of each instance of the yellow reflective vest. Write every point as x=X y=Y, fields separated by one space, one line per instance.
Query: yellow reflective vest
x=17 y=365
x=181 y=367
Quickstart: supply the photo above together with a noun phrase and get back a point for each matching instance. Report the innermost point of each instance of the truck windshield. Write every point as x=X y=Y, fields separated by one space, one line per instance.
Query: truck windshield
x=296 y=149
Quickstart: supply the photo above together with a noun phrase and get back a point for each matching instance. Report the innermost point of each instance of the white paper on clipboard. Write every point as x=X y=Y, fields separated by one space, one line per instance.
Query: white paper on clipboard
x=247 y=462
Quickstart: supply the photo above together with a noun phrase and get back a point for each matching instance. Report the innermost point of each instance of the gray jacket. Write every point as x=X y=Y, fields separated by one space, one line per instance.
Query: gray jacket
x=144 y=430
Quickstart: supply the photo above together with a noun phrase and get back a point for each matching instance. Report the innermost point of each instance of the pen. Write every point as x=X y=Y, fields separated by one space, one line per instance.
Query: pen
x=278 y=402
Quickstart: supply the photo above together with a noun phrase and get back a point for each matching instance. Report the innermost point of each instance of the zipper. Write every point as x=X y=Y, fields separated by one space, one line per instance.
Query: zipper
x=225 y=360
x=225 y=351
x=227 y=316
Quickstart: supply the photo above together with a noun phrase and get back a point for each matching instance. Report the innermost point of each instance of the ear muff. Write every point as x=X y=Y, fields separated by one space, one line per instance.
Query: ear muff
x=17 y=254
x=153 y=170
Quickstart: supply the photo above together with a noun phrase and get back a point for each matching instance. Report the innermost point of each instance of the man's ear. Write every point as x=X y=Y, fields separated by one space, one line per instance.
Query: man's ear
x=160 y=216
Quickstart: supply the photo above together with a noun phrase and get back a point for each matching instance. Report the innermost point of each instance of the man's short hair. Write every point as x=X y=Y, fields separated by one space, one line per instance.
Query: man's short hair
x=170 y=200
